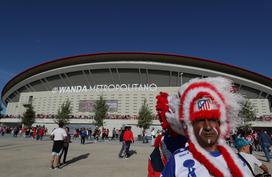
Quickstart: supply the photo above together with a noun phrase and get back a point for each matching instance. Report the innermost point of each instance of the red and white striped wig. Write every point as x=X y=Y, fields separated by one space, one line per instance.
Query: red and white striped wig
x=167 y=110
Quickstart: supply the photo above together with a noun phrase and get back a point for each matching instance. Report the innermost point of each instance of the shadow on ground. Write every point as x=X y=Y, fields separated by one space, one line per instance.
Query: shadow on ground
x=131 y=152
x=75 y=159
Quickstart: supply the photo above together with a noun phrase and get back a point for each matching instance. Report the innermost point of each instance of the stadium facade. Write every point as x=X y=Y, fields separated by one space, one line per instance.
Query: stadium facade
x=124 y=80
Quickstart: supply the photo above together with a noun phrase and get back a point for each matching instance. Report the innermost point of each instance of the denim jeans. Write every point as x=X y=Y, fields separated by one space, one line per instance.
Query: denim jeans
x=266 y=152
x=122 y=149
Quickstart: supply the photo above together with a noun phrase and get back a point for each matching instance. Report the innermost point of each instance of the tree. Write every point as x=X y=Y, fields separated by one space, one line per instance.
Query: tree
x=29 y=116
x=145 y=117
x=63 y=113
x=248 y=112
x=101 y=109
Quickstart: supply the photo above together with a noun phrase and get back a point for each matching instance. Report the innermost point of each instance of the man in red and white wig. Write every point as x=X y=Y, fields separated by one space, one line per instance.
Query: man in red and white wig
x=207 y=109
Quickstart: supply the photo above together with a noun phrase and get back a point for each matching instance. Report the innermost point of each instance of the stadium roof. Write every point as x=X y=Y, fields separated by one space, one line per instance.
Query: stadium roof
x=134 y=56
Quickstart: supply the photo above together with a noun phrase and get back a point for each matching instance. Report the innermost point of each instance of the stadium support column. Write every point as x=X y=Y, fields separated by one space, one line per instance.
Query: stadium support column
x=86 y=77
x=180 y=75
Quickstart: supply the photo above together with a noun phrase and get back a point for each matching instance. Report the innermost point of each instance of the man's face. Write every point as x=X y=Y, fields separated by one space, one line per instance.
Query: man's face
x=206 y=131
x=246 y=149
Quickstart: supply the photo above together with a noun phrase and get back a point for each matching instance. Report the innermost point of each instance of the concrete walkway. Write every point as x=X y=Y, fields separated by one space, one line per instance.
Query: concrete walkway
x=22 y=157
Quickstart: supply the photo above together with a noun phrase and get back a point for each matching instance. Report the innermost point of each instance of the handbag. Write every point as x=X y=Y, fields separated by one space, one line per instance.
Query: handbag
x=258 y=175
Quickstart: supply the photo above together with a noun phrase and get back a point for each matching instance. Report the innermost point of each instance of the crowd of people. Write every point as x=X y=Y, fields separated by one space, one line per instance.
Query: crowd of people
x=36 y=132
x=195 y=140
x=61 y=139
x=39 y=131
x=96 y=134
x=52 y=116
x=259 y=140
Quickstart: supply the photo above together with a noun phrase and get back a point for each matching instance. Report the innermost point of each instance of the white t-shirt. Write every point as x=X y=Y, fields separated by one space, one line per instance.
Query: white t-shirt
x=153 y=133
x=252 y=160
x=59 y=134
x=183 y=164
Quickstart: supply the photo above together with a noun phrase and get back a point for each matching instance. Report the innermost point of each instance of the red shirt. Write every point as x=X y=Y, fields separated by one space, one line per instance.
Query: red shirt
x=128 y=135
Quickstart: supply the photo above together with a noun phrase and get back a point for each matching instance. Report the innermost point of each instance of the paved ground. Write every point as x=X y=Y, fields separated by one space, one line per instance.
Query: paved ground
x=21 y=157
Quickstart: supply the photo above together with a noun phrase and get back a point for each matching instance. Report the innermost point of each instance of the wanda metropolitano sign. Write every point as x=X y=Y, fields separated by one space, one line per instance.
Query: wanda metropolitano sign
x=108 y=88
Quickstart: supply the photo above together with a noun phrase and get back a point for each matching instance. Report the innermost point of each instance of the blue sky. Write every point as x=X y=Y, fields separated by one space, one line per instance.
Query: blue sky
x=229 y=31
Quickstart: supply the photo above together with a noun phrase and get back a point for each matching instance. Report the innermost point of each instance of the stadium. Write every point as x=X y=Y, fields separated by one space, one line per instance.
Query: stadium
x=124 y=80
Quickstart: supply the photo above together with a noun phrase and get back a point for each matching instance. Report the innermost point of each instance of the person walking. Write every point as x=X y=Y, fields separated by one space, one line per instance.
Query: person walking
x=128 y=138
x=66 y=142
x=121 y=139
x=83 y=135
x=243 y=147
x=113 y=134
x=58 y=135
x=266 y=142
x=153 y=136
x=41 y=133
